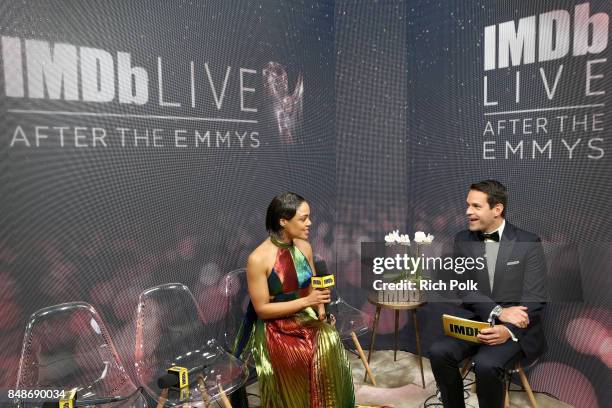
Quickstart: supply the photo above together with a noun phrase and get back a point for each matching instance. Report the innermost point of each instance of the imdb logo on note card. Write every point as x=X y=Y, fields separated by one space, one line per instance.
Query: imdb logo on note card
x=463 y=329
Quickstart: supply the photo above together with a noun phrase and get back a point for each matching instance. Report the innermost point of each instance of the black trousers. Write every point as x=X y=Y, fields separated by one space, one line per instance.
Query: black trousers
x=489 y=365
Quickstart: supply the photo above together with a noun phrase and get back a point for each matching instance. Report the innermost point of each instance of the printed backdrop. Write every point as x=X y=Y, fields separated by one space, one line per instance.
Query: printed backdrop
x=141 y=144
x=414 y=133
x=520 y=92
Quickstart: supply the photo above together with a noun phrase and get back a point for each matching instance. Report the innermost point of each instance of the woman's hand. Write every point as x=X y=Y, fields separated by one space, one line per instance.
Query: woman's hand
x=318 y=296
x=323 y=316
x=321 y=312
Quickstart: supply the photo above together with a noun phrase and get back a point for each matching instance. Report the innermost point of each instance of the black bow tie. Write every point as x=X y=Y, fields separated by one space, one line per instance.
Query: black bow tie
x=494 y=236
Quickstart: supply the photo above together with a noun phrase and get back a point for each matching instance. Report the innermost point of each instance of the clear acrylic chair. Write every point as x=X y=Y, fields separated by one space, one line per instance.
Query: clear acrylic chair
x=68 y=346
x=237 y=295
x=349 y=321
x=238 y=299
x=170 y=331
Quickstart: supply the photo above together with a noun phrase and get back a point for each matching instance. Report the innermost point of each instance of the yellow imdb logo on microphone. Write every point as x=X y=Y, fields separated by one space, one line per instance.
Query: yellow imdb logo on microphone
x=323 y=281
x=67 y=401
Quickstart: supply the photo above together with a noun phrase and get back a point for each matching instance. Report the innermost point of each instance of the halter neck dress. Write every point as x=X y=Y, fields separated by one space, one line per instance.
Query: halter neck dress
x=300 y=361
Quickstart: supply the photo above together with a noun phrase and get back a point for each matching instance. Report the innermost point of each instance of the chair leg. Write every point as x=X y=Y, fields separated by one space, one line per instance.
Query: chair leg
x=374 y=327
x=363 y=357
x=418 y=344
x=527 y=387
x=163 y=396
x=226 y=402
x=396 y=335
x=202 y=388
x=466 y=367
x=507 y=397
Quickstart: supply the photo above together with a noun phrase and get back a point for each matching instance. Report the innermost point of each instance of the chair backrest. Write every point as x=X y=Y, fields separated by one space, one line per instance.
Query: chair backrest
x=349 y=319
x=237 y=295
x=170 y=331
x=67 y=346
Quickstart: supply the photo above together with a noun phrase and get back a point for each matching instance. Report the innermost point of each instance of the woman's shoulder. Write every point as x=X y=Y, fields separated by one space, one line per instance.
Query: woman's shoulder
x=262 y=254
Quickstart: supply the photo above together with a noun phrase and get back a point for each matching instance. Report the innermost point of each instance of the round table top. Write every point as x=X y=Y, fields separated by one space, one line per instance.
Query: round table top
x=373 y=298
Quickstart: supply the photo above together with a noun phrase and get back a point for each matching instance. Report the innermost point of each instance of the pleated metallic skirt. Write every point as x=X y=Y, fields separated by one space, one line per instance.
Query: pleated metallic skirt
x=301 y=363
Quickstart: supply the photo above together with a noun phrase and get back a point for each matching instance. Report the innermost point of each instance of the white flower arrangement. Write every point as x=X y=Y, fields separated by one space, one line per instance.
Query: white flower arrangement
x=421 y=238
x=424 y=239
x=395 y=237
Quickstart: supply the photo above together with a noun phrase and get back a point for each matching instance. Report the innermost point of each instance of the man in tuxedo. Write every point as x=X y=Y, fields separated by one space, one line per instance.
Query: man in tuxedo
x=511 y=296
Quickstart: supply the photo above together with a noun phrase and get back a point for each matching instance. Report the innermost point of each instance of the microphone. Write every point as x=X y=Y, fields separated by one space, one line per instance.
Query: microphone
x=168 y=381
x=323 y=280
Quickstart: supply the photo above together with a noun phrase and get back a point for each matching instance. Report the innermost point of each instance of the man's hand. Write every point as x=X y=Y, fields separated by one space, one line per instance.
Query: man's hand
x=494 y=335
x=516 y=315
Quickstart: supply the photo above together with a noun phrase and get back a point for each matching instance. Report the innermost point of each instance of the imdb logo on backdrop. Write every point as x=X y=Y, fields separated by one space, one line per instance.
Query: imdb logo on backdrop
x=545 y=86
x=175 y=104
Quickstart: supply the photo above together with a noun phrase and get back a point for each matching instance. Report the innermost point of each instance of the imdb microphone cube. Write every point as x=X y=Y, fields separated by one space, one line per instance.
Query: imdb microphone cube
x=323 y=281
x=182 y=374
x=67 y=401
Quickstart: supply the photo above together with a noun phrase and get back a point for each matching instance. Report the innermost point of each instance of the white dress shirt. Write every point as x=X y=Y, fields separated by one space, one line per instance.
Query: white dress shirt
x=500 y=231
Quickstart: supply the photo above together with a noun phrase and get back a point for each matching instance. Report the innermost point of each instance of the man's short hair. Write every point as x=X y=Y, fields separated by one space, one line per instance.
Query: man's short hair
x=496 y=193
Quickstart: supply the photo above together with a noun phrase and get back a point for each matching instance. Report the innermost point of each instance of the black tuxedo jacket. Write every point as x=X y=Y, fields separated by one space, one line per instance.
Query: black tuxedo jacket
x=520 y=279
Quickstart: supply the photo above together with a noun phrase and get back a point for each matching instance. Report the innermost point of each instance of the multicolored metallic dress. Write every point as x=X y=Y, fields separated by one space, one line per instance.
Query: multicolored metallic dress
x=300 y=361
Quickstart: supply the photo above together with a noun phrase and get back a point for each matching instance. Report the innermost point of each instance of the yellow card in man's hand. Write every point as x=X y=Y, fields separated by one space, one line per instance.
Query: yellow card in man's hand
x=463 y=329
